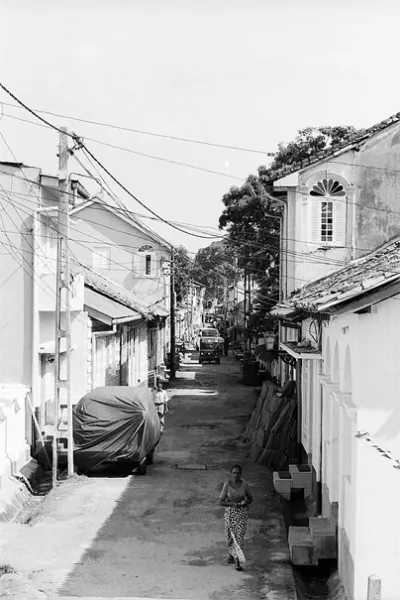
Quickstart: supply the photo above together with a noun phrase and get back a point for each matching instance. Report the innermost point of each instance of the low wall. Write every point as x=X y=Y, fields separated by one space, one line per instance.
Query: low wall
x=272 y=428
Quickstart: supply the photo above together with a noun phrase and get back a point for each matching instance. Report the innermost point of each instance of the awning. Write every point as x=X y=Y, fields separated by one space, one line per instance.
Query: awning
x=298 y=351
x=106 y=310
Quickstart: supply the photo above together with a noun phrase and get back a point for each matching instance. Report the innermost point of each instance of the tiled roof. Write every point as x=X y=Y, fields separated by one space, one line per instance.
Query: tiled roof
x=355 y=279
x=112 y=290
x=353 y=138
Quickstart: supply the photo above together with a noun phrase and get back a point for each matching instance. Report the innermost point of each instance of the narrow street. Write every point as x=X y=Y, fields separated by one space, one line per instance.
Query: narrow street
x=164 y=537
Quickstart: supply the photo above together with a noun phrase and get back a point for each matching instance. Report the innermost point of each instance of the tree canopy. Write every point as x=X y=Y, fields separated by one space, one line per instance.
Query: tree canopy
x=251 y=222
x=214 y=267
x=183 y=272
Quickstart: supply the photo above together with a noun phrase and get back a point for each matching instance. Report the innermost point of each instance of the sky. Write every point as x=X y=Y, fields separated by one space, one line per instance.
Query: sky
x=242 y=73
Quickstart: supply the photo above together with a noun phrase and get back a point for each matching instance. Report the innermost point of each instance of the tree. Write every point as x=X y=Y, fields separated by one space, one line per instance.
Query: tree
x=253 y=229
x=183 y=272
x=252 y=223
x=308 y=142
x=214 y=268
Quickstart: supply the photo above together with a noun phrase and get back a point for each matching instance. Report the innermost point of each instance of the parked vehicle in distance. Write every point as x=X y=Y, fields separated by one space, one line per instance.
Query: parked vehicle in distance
x=210 y=350
x=209 y=332
x=116 y=425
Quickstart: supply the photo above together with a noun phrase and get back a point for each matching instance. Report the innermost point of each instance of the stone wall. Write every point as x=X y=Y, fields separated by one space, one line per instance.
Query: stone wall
x=272 y=428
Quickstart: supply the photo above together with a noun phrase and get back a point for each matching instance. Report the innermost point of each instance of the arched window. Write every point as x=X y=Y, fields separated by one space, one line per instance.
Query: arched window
x=328 y=212
x=147 y=262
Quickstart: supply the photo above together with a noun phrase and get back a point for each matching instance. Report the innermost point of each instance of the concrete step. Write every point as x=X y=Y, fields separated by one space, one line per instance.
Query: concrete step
x=282 y=481
x=301 y=547
x=323 y=533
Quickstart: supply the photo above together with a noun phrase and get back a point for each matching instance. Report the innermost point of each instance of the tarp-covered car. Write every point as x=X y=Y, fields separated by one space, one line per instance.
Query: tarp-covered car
x=115 y=424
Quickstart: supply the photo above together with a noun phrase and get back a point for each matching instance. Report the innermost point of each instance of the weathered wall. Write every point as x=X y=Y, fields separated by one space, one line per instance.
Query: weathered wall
x=378 y=189
x=371 y=178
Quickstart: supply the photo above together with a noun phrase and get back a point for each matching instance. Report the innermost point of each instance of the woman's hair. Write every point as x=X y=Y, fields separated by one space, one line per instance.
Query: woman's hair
x=237 y=467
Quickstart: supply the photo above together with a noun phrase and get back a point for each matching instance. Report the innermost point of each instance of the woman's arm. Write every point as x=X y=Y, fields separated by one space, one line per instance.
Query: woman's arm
x=223 y=498
x=249 y=495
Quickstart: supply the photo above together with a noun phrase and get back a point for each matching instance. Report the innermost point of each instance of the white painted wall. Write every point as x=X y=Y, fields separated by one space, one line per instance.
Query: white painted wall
x=361 y=382
x=94 y=227
x=13 y=436
x=78 y=356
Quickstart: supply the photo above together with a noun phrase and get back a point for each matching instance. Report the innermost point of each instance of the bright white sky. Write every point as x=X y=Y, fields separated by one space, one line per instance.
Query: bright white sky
x=246 y=73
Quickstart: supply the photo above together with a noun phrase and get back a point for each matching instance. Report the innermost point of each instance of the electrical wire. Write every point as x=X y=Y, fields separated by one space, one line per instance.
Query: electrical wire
x=98 y=162
x=87 y=151
x=238 y=242
x=127 y=211
x=121 y=185
x=142 y=132
x=31 y=187
x=138 y=153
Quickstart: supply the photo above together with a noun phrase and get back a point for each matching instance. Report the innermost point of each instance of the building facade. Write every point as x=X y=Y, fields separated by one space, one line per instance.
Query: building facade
x=338 y=209
x=350 y=413
x=116 y=337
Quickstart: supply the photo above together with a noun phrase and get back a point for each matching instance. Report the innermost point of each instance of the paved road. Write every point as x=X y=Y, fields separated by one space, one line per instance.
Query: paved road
x=164 y=538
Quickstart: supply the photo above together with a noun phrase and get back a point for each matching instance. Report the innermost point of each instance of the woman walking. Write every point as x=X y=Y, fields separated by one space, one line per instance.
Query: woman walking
x=236 y=498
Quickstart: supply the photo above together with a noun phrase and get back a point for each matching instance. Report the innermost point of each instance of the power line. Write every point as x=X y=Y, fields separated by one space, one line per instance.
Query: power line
x=218 y=274
x=75 y=138
x=31 y=187
x=126 y=212
x=304 y=257
x=351 y=203
x=121 y=185
x=148 y=133
x=138 y=153
x=86 y=150
x=239 y=241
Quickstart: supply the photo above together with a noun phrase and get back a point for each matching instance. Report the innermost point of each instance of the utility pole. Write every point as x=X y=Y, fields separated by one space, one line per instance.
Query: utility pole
x=191 y=309
x=245 y=309
x=62 y=387
x=172 y=314
x=250 y=307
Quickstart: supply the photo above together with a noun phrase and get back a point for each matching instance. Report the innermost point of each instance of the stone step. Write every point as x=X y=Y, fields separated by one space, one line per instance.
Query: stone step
x=282 y=481
x=301 y=476
x=301 y=546
x=324 y=537
x=321 y=526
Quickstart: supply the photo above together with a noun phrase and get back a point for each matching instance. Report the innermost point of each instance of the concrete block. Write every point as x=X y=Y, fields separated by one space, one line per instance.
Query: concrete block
x=324 y=537
x=301 y=475
x=301 y=546
x=321 y=526
x=282 y=482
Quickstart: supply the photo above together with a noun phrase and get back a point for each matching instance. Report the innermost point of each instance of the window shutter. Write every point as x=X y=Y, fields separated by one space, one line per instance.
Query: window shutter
x=339 y=221
x=315 y=220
